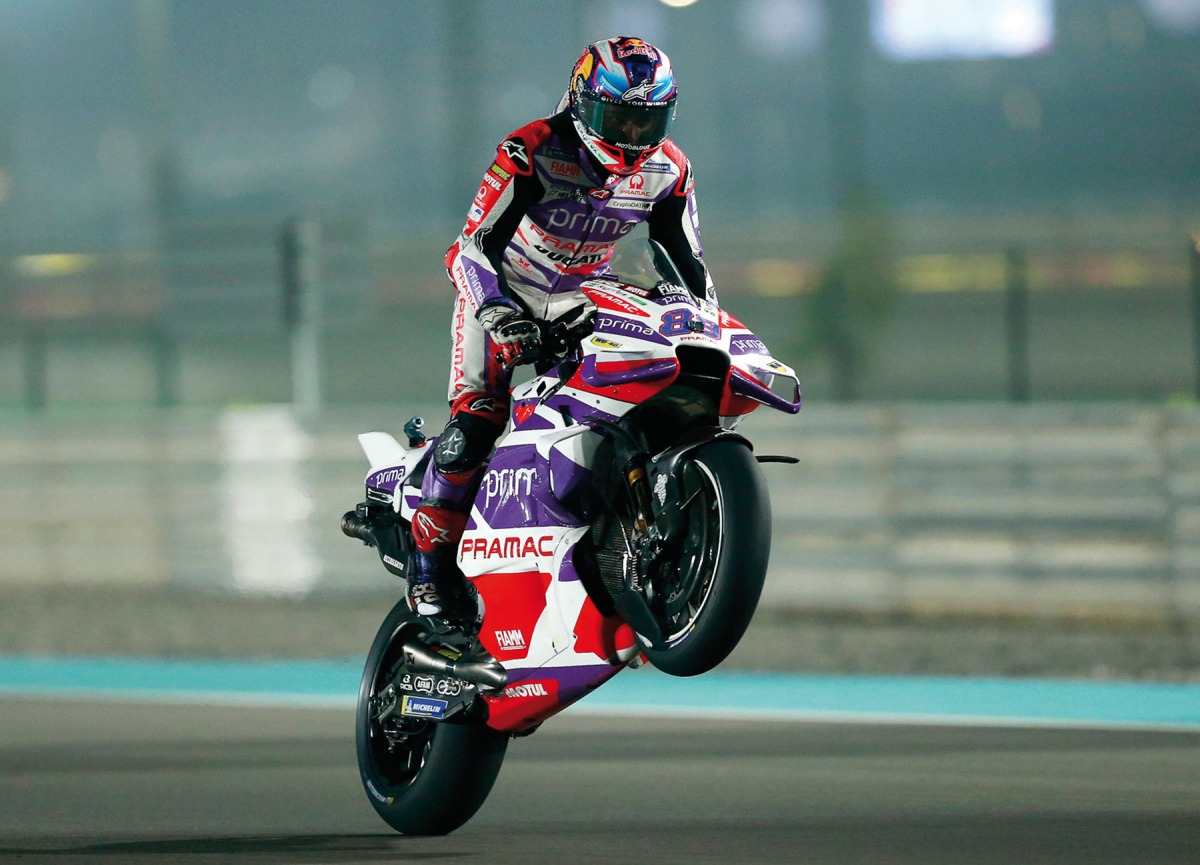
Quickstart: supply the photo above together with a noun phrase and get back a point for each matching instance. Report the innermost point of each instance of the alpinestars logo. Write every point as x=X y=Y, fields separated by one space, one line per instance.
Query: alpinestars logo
x=484 y=405
x=639 y=91
x=428 y=528
x=451 y=444
x=515 y=150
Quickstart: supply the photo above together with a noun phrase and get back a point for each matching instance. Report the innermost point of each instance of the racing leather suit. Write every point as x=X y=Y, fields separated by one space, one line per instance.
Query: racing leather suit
x=542 y=222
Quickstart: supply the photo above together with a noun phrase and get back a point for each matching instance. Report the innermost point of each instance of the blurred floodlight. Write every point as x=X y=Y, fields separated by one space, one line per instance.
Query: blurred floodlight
x=330 y=87
x=678 y=4
x=1179 y=15
x=53 y=264
x=933 y=29
x=783 y=28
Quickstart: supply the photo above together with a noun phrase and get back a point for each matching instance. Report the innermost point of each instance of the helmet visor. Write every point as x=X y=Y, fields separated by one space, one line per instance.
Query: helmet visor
x=634 y=126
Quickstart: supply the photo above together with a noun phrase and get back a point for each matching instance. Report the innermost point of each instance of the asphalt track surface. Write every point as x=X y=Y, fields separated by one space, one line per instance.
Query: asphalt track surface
x=128 y=780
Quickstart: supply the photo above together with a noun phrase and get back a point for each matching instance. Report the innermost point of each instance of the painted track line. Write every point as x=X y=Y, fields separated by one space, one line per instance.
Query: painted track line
x=646 y=692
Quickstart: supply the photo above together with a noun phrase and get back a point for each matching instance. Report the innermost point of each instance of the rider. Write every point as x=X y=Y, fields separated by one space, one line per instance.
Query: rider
x=560 y=193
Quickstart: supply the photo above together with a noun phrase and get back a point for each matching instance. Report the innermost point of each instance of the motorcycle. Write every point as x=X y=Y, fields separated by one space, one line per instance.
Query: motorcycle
x=620 y=520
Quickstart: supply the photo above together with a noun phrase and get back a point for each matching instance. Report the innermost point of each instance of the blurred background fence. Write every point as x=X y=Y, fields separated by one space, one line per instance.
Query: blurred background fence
x=1005 y=192
x=1088 y=512
x=971 y=226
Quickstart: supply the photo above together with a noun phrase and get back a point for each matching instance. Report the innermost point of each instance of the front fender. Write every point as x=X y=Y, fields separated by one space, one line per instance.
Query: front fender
x=663 y=463
x=663 y=477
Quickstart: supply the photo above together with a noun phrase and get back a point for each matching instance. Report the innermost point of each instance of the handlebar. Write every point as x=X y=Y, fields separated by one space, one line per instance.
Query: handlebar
x=558 y=342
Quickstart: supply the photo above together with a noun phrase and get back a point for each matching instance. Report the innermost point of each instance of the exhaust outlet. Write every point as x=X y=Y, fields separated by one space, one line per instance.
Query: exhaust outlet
x=488 y=675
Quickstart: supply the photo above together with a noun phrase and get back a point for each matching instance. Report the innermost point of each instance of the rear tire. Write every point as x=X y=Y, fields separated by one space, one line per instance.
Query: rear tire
x=426 y=777
x=714 y=591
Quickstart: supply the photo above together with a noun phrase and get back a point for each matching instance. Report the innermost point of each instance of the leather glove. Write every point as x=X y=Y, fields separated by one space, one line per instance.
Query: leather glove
x=517 y=339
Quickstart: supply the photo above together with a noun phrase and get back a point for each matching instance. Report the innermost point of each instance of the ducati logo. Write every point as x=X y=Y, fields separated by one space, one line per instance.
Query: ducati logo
x=600 y=194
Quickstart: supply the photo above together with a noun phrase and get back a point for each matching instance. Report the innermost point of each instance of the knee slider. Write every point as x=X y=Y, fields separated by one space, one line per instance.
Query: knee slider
x=464 y=443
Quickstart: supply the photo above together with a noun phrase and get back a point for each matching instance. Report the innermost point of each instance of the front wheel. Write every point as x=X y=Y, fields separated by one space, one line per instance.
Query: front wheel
x=422 y=777
x=708 y=584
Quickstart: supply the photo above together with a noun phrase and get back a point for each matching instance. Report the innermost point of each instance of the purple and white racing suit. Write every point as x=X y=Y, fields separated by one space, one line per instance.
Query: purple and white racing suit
x=542 y=222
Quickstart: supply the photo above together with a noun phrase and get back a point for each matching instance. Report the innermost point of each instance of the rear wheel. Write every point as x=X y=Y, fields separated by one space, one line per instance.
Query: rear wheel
x=707 y=582
x=422 y=777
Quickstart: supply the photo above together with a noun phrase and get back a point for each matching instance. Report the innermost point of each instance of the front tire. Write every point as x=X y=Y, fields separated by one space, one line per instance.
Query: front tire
x=422 y=777
x=709 y=590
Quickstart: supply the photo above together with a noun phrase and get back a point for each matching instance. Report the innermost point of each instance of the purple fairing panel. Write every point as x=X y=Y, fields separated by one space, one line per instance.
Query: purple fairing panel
x=387 y=479
x=567 y=572
x=393 y=483
x=566 y=410
x=743 y=385
x=577 y=409
x=624 y=372
x=578 y=680
x=509 y=487
x=515 y=492
x=539 y=693
x=525 y=418
x=570 y=482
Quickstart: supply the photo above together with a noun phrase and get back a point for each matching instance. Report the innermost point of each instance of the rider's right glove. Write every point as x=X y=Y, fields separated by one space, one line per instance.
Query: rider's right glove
x=516 y=338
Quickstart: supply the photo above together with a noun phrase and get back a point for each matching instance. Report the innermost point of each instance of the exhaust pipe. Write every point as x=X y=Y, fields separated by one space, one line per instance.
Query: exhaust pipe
x=488 y=675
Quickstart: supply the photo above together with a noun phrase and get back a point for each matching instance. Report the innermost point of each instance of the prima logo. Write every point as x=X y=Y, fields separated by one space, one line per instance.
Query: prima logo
x=388 y=476
x=615 y=324
x=598 y=227
x=503 y=484
x=747 y=345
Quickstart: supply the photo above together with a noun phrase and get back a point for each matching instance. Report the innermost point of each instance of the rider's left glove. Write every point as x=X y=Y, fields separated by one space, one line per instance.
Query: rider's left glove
x=517 y=339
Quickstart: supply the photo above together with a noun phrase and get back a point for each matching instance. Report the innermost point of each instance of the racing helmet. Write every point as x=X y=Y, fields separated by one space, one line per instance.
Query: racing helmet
x=622 y=97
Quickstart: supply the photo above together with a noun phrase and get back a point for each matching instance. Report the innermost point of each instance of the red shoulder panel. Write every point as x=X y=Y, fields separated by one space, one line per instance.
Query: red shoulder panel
x=671 y=150
x=515 y=153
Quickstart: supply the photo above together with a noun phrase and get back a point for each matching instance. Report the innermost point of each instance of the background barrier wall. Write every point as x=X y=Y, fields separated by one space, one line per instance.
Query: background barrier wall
x=1087 y=511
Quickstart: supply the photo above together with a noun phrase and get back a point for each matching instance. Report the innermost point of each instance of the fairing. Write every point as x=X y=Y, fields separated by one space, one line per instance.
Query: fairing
x=527 y=521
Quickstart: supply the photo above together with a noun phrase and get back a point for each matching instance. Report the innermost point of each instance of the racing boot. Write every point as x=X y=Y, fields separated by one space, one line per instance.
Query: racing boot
x=436 y=587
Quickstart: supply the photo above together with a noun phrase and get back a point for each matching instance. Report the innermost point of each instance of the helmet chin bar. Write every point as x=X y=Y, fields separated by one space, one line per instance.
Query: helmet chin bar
x=610 y=157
